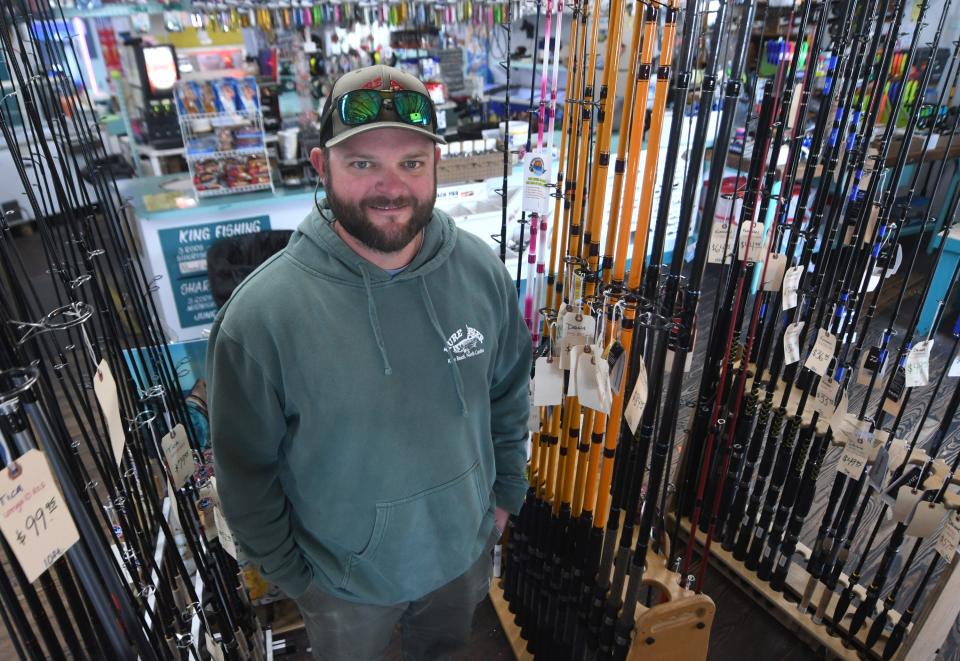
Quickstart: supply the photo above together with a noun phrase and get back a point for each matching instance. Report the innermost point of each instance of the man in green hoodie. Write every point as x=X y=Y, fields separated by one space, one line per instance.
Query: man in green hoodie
x=368 y=393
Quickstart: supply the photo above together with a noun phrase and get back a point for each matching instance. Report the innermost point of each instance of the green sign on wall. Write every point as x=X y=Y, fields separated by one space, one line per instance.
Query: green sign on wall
x=185 y=254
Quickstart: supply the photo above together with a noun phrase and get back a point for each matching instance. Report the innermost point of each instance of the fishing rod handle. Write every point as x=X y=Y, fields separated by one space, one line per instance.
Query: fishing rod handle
x=748 y=512
x=738 y=506
x=788 y=500
x=780 y=468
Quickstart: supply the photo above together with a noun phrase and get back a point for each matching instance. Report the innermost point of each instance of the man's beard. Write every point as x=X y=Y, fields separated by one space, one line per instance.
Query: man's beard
x=354 y=220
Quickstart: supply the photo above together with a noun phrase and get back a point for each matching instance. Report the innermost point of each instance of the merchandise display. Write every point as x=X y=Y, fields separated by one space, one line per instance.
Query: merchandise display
x=731 y=229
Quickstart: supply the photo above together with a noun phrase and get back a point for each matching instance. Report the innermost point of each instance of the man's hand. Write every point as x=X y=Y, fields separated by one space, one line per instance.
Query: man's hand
x=500 y=517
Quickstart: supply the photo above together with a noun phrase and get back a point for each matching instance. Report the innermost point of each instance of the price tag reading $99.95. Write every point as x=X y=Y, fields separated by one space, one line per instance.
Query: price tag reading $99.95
x=33 y=517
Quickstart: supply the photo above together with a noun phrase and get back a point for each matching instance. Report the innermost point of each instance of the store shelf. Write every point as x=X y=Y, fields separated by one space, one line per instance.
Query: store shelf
x=233 y=191
x=248 y=114
x=114 y=10
x=217 y=155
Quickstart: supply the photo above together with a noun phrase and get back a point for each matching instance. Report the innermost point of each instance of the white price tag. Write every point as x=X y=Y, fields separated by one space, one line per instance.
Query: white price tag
x=773 y=277
x=226 y=537
x=567 y=347
x=723 y=236
x=907 y=500
x=791 y=284
x=179 y=456
x=822 y=352
x=576 y=323
x=33 y=517
x=826 y=400
x=954 y=367
x=917 y=366
x=633 y=411
x=547 y=382
x=105 y=389
x=593 y=380
x=750 y=246
x=791 y=343
x=536 y=177
x=949 y=537
x=926 y=519
x=855 y=454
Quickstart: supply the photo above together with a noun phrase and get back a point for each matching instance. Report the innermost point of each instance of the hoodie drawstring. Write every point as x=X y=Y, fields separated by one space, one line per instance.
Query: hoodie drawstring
x=454 y=370
x=375 y=320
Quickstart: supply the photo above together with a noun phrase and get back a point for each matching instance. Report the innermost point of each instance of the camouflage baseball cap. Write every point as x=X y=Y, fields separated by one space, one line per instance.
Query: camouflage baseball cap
x=376 y=77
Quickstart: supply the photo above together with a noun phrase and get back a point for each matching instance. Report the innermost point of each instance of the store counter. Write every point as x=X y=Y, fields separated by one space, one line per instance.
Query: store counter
x=175 y=230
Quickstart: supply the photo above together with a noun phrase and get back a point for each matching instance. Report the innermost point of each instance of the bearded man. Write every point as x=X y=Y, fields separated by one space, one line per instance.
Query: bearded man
x=368 y=392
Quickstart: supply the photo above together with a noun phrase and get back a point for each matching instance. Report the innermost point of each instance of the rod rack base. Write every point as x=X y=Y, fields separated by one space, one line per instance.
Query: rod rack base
x=787 y=612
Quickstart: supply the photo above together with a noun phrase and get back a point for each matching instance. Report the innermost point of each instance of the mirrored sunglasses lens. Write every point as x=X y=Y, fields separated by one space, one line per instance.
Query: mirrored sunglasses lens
x=413 y=108
x=359 y=107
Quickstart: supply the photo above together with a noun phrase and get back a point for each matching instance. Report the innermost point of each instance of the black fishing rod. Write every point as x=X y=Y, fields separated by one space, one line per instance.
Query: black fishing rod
x=741 y=528
x=767 y=304
x=833 y=534
x=680 y=342
x=783 y=512
x=880 y=620
x=895 y=359
x=823 y=276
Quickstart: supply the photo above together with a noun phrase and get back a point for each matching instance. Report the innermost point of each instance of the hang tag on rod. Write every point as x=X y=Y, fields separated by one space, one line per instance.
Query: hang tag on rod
x=822 y=352
x=547 y=382
x=949 y=537
x=791 y=284
x=105 y=388
x=773 y=278
x=223 y=531
x=33 y=515
x=826 y=399
x=907 y=499
x=633 y=411
x=723 y=236
x=917 y=366
x=791 y=343
x=179 y=456
x=856 y=454
x=593 y=380
x=926 y=519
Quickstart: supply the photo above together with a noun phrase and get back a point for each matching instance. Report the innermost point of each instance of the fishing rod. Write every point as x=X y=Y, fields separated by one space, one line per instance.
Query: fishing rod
x=507 y=163
x=832 y=538
x=751 y=538
x=534 y=221
x=766 y=307
x=680 y=338
x=743 y=266
x=846 y=595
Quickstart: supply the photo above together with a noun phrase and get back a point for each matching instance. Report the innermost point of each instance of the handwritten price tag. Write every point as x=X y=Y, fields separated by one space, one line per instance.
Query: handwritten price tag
x=638 y=399
x=949 y=537
x=855 y=454
x=577 y=323
x=723 y=236
x=179 y=456
x=773 y=278
x=822 y=352
x=105 y=388
x=33 y=517
x=826 y=401
x=791 y=284
x=226 y=537
x=791 y=343
x=917 y=365
x=750 y=246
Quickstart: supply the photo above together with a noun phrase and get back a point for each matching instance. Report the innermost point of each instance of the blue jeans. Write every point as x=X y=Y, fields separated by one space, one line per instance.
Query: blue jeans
x=432 y=627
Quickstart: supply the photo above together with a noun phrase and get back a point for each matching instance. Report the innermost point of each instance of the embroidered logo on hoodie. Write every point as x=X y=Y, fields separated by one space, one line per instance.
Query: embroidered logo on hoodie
x=465 y=343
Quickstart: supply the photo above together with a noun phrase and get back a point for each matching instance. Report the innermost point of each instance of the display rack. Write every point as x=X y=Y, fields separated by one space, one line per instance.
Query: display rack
x=225 y=150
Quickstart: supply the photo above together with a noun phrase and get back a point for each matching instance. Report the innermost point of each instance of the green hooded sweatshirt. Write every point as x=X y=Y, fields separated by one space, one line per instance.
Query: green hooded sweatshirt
x=364 y=427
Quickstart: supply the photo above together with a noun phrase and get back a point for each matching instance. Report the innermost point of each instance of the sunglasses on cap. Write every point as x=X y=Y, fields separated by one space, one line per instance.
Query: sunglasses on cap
x=359 y=107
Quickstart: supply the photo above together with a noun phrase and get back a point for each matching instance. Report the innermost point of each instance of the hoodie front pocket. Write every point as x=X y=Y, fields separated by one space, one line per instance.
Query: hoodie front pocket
x=421 y=541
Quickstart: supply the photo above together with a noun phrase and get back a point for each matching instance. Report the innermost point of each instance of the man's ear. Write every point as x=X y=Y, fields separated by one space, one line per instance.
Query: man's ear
x=316 y=160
